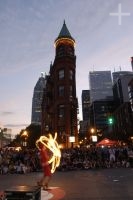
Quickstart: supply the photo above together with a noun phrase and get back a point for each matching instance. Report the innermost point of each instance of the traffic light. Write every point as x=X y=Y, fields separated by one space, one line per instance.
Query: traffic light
x=110 y=120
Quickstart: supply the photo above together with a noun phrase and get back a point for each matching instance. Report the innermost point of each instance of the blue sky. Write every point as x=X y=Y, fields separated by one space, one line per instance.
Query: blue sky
x=28 y=29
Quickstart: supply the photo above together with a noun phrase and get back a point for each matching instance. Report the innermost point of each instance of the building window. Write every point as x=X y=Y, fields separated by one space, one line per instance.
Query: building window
x=60 y=51
x=71 y=74
x=61 y=90
x=103 y=108
x=70 y=51
x=61 y=111
x=71 y=90
x=61 y=74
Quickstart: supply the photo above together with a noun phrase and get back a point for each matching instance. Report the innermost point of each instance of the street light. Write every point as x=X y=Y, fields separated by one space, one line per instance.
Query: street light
x=72 y=136
x=132 y=139
x=93 y=135
x=24 y=136
x=92 y=130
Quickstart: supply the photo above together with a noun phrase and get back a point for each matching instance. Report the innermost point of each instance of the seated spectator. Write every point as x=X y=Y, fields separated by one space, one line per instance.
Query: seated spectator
x=5 y=169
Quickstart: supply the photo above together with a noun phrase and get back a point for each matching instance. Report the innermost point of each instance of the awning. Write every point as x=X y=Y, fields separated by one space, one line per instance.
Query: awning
x=106 y=142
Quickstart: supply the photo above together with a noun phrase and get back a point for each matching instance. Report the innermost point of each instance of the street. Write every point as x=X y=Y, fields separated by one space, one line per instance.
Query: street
x=98 y=184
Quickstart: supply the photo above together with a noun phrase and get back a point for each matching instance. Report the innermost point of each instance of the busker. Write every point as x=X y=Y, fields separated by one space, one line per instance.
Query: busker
x=45 y=167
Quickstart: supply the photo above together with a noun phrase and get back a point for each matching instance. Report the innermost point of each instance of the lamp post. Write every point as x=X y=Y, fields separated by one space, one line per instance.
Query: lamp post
x=92 y=130
x=72 y=136
x=93 y=135
x=24 y=137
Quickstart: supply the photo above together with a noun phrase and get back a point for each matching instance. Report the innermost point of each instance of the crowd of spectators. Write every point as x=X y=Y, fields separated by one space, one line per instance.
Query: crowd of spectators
x=18 y=161
x=96 y=157
x=26 y=161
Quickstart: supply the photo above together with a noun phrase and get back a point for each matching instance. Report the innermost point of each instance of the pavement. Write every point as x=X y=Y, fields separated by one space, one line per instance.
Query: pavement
x=97 y=184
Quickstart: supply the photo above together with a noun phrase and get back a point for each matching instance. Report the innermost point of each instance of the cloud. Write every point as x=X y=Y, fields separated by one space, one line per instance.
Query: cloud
x=7 y=113
x=16 y=125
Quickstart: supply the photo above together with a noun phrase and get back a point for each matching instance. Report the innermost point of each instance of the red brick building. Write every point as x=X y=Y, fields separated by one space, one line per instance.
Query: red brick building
x=59 y=108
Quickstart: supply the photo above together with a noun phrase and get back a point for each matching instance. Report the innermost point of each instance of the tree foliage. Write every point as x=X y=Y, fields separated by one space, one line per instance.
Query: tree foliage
x=33 y=133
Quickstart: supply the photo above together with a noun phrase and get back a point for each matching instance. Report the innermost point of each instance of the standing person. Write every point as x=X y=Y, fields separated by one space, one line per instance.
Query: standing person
x=45 y=166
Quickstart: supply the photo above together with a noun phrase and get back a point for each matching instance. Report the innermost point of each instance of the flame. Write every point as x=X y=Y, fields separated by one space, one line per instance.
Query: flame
x=51 y=143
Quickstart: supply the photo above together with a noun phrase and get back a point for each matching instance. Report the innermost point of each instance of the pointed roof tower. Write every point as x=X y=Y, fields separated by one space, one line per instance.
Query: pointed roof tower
x=64 y=35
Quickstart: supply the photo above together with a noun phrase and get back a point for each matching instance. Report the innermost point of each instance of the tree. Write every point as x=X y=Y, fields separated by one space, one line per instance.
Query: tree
x=34 y=133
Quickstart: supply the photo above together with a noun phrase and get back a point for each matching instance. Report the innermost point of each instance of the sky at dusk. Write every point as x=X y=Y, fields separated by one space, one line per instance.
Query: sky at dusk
x=28 y=29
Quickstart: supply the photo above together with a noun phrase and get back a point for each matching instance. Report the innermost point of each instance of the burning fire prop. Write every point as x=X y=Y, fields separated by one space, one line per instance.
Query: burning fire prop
x=51 y=143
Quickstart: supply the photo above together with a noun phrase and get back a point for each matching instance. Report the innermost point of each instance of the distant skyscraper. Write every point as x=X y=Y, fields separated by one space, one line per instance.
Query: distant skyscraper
x=85 y=104
x=130 y=93
x=118 y=74
x=37 y=100
x=100 y=85
x=120 y=88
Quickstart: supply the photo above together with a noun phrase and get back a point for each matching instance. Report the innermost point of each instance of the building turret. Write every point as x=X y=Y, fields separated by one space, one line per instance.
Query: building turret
x=64 y=43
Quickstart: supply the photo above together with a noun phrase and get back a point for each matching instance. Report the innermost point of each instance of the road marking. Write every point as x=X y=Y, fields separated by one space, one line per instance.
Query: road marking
x=115 y=180
x=53 y=193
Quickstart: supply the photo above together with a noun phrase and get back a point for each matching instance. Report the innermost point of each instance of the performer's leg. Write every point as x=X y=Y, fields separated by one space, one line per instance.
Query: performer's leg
x=46 y=182
x=40 y=182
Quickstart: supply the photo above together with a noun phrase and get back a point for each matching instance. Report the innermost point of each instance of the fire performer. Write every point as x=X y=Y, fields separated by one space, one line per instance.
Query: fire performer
x=44 y=158
x=49 y=163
